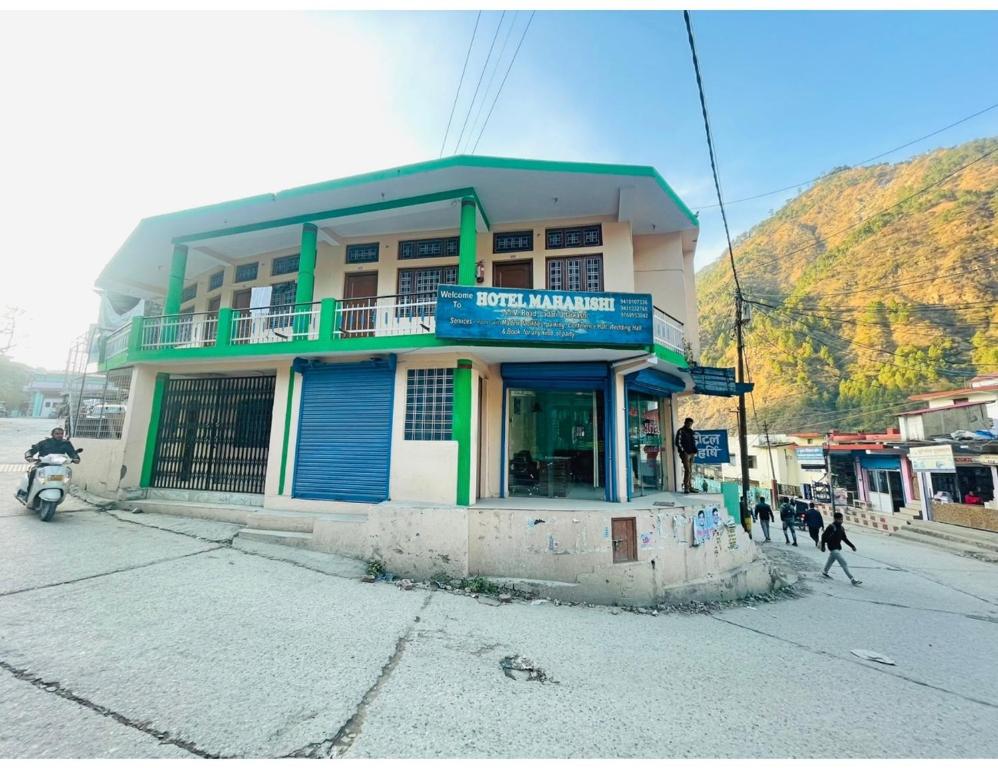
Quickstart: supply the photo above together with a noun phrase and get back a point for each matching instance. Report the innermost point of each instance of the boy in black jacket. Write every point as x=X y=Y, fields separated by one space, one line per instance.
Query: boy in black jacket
x=833 y=537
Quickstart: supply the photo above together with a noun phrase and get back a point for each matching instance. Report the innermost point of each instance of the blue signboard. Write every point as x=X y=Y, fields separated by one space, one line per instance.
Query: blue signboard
x=555 y=317
x=712 y=446
x=811 y=457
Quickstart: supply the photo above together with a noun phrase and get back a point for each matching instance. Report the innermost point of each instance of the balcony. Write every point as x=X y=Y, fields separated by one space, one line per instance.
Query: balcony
x=330 y=325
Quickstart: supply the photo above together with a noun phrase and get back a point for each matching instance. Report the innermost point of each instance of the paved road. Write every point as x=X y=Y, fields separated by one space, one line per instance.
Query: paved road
x=147 y=636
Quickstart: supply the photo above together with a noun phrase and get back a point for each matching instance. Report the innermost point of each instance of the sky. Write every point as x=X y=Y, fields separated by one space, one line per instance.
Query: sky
x=111 y=117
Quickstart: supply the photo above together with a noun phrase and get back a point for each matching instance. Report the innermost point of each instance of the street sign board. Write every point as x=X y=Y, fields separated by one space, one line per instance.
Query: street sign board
x=932 y=458
x=712 y=446
x=810 y=456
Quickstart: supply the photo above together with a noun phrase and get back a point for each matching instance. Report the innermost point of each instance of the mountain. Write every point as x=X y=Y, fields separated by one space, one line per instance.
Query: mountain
x=876 y=283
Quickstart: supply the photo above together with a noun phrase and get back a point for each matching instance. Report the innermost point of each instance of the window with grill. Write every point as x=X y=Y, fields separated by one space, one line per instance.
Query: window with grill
x=576 y=273
x=189 y=292
x=216 y=280
x=429 y=400
x=282 y=300
x=246 y=272
x=574 y=237
x=418 y=287
x=285 y=265
x=431 y=248
x=362 y=253
x=512 y=242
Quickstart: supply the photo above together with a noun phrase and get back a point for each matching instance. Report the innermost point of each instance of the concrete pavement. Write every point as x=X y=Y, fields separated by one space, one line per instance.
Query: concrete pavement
x=147 y=636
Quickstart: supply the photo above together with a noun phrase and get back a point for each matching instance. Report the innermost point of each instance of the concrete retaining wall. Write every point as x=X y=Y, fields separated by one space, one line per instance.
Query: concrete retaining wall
x=967 y=515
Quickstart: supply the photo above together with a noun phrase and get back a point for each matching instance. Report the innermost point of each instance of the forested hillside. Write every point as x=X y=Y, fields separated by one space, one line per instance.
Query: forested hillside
x=876 y=283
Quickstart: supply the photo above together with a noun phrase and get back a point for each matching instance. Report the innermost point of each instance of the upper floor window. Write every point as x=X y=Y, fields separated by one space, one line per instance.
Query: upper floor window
x=285 y=265
x=430 y=248
x=576 y=273
x=575 y=237
x=512 y=242
x=216 y=280
x=362 y=253
x=189 y=292
x=246 y=272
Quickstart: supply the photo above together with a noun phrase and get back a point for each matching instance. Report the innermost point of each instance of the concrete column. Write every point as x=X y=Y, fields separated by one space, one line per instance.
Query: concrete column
x=175 y=289
x=461 y=419
x=306 y=265
x=466 y=257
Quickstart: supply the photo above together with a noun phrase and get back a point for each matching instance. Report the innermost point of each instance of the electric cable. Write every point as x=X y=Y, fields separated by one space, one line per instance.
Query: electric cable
x=460 y=82
x=501 y=84
x=492 y=77
x=854 y=165
x=474 y=96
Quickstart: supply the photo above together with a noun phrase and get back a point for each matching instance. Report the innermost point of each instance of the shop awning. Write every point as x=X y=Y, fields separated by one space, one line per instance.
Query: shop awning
x=653 y=382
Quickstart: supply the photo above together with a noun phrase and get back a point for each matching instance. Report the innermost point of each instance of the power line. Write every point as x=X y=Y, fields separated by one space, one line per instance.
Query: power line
x=492 y=76
x=479 y=84
x=860 y=163
x=882 y=286
x=460 y=82
x=739 y=317
x=506 y=75
x=882 y=211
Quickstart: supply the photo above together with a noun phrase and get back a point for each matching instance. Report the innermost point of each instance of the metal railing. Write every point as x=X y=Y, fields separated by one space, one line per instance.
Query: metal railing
x=197 y=329
x=398 y=315
x=668 y=331
x=264 y=325
x=116 y=342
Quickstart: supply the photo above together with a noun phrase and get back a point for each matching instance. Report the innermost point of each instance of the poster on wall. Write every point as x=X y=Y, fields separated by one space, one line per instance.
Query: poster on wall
x=706 y=524
x=822 y=493
x=680 y=528
x=932 y=458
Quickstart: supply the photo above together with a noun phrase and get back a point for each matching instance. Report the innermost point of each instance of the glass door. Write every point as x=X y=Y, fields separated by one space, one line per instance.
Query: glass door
x=644 y=438
x=555 y=446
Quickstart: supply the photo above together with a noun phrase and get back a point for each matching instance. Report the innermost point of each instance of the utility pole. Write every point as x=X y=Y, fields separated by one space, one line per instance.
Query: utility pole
x=828 y=470
x=742 y=415
x=774 y=490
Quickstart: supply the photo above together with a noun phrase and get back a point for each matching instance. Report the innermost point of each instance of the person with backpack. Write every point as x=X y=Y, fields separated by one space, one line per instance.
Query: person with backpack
x=787 y=515
x=814 y=521
x=832 y=538
x=765 y=513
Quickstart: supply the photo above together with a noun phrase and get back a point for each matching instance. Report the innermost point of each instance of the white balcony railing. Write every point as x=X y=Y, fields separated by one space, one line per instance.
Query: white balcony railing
x=117 y=342
x=265 y=325
x=195 y=329
x=668 y=331
x=386 y=315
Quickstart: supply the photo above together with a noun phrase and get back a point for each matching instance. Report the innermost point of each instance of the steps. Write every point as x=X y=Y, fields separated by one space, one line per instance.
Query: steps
x=982 y=545
x=284 y=538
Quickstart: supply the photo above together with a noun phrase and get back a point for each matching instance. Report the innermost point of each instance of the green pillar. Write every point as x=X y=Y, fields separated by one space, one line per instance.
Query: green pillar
x=175 y=290
x=461 y=427
x=327 y=319
x=149 y=459
x=466 y=257
x=306 y=265
x=223 y=333
x=305 y=290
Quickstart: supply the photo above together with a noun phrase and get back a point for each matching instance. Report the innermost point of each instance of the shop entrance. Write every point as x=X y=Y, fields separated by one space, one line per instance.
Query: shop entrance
x=644 y=440
x=555 y=443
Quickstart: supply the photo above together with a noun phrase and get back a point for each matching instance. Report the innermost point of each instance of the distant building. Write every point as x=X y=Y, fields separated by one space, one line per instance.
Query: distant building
x=45 y=393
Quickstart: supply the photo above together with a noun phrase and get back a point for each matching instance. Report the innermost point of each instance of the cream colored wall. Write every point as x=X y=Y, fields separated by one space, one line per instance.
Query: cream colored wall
x=273 y=476
x=692 y=318
x=229 y=287
x=135 y=428
x=99 y=469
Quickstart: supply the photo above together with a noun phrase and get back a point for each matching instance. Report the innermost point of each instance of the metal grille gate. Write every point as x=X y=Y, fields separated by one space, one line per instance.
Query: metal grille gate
x=214 y=434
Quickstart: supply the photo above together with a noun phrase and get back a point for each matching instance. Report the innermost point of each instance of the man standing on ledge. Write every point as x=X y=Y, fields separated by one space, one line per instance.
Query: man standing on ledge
x=686 y=444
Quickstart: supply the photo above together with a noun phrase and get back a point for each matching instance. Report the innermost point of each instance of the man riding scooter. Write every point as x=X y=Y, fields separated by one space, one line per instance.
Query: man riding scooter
x=52 y=452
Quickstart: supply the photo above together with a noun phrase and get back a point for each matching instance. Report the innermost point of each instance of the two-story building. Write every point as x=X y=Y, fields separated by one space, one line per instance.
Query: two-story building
x=463 y=330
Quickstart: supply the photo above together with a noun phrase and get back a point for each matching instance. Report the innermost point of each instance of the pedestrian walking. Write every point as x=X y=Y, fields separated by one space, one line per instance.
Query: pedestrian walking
x=787 y=515
x=686 y=444
x=814 y=521
x=764 y=513
x=832 y=538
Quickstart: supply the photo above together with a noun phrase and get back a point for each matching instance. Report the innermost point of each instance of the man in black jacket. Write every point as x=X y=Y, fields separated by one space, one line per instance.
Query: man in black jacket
x=833 y=537
x=55 y=443
x=686 y=444
x=765 y=514
x=815 y=522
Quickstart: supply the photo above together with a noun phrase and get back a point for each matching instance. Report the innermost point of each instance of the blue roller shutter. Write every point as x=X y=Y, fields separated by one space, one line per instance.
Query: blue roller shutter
x=345 y=432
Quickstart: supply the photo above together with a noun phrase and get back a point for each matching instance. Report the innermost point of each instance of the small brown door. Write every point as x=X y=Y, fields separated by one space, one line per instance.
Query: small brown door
x=624 y=539
x=241 y=299
x=513 y=274
x=360 y=292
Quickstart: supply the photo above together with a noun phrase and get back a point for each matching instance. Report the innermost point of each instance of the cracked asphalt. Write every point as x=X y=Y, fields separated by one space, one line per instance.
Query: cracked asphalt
x=140 y=636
